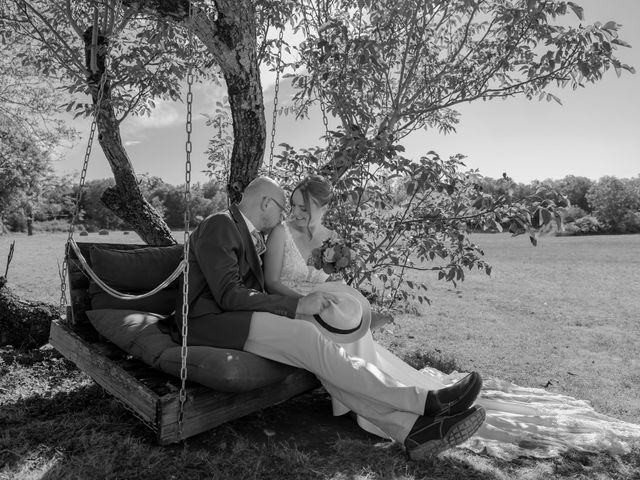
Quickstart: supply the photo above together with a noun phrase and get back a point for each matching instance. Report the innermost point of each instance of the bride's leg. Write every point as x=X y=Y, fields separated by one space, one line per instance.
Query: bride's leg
x=371 y=351
x=300 y=343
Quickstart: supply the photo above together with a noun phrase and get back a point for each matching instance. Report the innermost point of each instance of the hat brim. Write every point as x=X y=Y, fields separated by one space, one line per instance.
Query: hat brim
x=365 y=324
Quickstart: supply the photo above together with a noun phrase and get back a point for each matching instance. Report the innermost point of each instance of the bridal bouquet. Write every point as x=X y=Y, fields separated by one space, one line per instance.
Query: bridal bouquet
x=332 y=256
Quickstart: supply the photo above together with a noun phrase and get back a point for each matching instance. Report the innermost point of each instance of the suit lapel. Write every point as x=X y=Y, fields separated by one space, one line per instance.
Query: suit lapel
x=250 y=254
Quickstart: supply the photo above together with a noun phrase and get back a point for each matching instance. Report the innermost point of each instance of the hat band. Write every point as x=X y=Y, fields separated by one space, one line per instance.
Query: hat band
x=332 y=329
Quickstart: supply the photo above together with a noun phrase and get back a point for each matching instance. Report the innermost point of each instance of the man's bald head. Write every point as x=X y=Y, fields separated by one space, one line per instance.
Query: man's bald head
x=261 y=186
x=262 y=203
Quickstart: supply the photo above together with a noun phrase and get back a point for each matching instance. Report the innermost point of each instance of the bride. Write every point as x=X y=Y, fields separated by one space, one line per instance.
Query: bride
x=519 y=421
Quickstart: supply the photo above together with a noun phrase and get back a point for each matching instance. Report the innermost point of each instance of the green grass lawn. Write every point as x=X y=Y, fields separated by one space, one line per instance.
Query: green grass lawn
x=33 y=272
x=565 y=315
x=565 y=312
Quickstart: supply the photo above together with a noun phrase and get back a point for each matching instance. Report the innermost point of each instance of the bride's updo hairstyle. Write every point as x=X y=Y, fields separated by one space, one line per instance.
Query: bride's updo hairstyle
x=316 y=188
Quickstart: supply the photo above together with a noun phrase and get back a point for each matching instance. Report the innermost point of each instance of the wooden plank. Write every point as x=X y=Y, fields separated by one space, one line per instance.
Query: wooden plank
x=80 y=301
x=77 y=277
x=78 y=285
x=78 y=295
x=109 y=350
x=142 y=400
x=206 y=409
x=88 y=333
x=155 y=380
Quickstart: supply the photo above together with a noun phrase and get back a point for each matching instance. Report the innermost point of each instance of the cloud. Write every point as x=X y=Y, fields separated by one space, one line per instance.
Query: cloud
x=130 y=143
x=165 y=114
x=206 y=95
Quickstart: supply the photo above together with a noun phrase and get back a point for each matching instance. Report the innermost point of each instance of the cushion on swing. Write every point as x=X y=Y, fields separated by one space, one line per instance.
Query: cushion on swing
x=135 y=332
x=135 y=271
x=224 y=370
x=163 y=302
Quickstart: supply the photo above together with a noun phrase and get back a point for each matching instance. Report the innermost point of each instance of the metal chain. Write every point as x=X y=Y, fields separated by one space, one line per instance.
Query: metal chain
x=63 y=288
x=187 y=218
x=83 y=176
x=275 y=101
x=325 y=122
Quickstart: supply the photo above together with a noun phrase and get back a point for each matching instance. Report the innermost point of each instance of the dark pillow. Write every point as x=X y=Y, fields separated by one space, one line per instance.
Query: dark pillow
x=135 y=270
x=163 y=302
x=221 y=369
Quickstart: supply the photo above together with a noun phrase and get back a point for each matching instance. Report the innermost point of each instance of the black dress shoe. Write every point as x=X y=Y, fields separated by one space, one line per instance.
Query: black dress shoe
x=454 y=399
x=430 y=436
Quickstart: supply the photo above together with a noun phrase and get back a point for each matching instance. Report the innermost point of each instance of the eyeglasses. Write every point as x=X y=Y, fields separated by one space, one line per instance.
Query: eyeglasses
x=282 y=208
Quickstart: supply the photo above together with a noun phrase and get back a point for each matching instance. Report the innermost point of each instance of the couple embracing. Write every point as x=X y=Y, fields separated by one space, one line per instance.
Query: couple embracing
x=261 y=297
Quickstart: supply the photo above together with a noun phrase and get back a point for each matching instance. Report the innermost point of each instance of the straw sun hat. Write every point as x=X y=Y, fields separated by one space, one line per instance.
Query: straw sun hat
x=347 y=320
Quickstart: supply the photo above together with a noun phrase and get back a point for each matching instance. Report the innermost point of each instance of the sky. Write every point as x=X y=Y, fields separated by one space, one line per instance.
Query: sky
x=595 y=132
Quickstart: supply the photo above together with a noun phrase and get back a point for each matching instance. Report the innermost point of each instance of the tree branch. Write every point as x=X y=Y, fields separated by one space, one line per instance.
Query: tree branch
x=68 y=13
x=70 y=51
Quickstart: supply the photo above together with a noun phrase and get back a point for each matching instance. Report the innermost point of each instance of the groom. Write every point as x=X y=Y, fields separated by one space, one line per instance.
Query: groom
x=228 y=308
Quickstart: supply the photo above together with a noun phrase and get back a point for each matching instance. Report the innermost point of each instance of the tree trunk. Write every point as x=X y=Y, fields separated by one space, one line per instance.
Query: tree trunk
x=24 y=323
x=229 y=33
x=125 y=199
x=231 y=39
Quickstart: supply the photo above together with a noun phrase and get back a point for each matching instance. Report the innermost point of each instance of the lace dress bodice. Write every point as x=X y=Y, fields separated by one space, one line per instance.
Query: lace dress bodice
x=296 y=274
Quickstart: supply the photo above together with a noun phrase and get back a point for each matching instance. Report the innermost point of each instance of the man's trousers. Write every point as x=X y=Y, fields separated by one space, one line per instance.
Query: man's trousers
x=358 y=384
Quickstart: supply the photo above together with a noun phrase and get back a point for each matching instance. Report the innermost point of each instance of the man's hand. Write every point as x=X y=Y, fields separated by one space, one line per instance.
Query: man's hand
x=315 y=303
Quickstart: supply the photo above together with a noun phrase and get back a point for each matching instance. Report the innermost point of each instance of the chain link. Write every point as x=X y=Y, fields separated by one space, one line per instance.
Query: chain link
x=187 y=219
x=325 y=122
x=275 y=100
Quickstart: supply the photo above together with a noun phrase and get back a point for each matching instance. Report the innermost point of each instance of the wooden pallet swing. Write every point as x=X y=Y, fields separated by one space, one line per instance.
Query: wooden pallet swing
x=174 y=408
x=154 y=396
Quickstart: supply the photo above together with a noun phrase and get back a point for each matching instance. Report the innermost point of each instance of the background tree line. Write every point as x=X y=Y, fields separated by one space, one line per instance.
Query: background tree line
x=52 y=209
x=608 y=205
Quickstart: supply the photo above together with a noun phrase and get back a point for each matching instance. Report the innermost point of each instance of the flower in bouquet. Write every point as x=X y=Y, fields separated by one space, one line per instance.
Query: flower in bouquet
x=332 y=256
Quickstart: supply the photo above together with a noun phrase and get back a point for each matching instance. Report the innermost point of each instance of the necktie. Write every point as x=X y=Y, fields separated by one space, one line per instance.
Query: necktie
x=258 y=242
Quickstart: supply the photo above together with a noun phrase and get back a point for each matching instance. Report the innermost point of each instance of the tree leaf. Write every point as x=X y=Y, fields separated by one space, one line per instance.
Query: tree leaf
x=622 y=43
x=577 y=9
x=544 y=216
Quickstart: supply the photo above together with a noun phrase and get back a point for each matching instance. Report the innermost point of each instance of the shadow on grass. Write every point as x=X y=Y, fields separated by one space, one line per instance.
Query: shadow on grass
x=67 y=427
x=419 y=359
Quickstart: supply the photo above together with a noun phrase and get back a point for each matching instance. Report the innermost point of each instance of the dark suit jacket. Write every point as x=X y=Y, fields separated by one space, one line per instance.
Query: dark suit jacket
x=226 y=283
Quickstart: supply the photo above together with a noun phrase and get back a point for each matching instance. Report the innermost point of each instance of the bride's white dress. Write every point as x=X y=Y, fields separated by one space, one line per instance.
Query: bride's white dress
x=520 y=421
